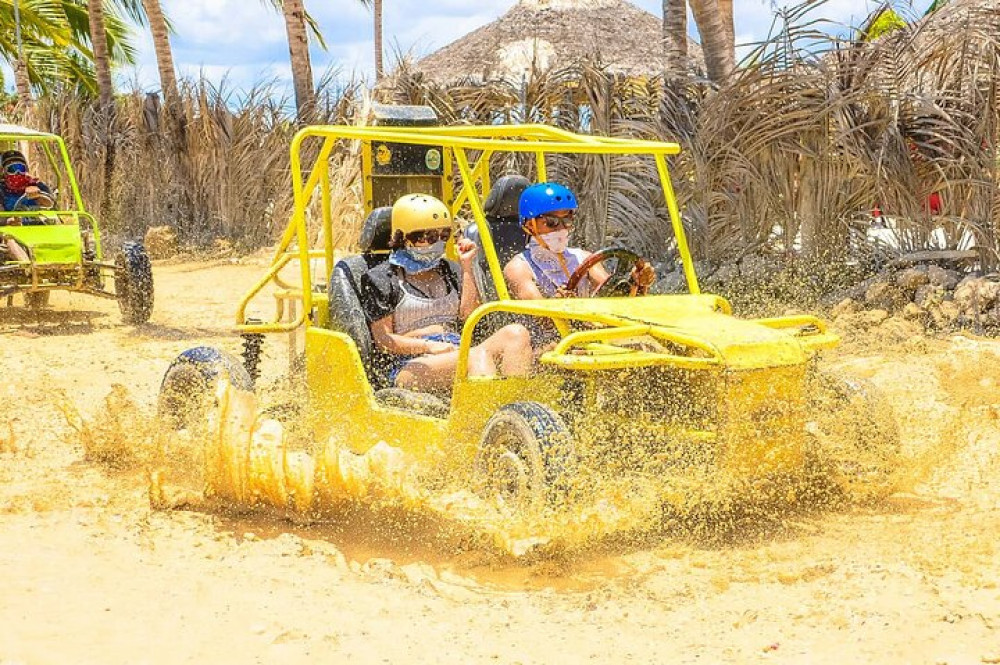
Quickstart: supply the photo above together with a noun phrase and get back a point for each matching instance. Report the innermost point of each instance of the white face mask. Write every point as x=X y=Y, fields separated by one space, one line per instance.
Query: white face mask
x=557 y=241
x=429 y=253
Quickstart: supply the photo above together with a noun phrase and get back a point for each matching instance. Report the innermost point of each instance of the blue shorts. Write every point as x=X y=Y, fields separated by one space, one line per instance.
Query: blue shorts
x=399 y=362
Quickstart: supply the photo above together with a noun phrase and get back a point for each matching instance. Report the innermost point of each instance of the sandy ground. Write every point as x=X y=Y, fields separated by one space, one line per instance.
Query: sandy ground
x=90 y=574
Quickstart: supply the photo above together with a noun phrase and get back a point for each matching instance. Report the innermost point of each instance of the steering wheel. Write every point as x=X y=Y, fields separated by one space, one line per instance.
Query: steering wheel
x=43 y=200
x=620 y=282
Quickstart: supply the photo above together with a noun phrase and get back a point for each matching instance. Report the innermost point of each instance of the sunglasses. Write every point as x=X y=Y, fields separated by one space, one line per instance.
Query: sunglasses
x=429 y=236
x=551 y=222
x=16 y=169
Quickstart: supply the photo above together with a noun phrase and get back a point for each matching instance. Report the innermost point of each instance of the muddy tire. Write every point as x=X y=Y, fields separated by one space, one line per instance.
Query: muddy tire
x=853 y=437
x=189 y=387
x=134 y=283
x=526 y=457
x=36 y=299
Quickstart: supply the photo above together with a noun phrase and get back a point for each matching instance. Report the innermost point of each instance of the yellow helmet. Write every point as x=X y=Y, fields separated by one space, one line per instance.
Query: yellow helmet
x=416 y=212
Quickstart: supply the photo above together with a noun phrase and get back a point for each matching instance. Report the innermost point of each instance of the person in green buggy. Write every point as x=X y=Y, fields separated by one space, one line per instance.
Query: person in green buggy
x=21 y=190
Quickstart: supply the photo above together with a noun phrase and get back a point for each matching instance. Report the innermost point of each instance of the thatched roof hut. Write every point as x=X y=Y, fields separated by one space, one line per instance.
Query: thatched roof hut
x=547 y=33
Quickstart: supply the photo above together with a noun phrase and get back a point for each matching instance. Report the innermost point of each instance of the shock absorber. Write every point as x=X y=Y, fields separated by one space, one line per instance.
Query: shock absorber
x=253 y=343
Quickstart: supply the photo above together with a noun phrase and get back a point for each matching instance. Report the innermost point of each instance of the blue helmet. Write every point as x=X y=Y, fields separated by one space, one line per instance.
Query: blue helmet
x=545 y=197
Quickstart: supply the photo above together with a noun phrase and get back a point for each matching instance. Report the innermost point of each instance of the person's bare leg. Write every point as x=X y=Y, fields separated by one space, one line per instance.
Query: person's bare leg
x=16 y=252
x=509 y=349
x=429 y=372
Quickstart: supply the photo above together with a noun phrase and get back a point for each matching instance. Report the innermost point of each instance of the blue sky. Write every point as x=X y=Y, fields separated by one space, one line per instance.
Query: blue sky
x=244 y=40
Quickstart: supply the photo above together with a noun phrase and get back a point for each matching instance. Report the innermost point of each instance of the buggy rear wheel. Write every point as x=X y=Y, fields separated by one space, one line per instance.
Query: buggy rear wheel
x=525 y=457
x=190 y=385
x=854 y=436
x=36 y=299
x=134 y=283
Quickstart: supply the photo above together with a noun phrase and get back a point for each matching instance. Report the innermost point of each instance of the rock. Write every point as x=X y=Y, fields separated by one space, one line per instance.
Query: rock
x=911 y=279
x=883 y=295
x=862 y=320
x=928 y=294
x=757 y=267
x=160 y=242
x=946 y=279
x=897 y=331
x=672 y=282
x=974 y=295
x=725 y=274
x=845 y=306
x=944 y=314
x=912 y=312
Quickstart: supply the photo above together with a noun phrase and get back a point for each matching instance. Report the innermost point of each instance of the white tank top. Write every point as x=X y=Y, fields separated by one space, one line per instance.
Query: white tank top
x=415 y=311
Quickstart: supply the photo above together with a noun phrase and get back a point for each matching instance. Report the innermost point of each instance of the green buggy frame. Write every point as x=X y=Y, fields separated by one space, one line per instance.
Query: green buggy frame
x=62 y=240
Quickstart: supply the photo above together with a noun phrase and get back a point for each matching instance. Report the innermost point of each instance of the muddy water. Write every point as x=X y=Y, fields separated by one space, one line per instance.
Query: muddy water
x=89 y=573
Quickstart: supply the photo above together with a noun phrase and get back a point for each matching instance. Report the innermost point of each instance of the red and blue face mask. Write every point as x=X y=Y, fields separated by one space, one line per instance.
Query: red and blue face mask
x=16 y=178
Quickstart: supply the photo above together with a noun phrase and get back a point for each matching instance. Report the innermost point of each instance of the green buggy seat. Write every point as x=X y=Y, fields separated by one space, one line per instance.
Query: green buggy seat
x=49 y=244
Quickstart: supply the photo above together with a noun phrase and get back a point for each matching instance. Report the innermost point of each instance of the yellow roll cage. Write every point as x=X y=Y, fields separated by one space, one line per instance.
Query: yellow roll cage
x=456 y=143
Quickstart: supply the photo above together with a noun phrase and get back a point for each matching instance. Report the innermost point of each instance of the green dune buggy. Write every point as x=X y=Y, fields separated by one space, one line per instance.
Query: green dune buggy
x=51 y=243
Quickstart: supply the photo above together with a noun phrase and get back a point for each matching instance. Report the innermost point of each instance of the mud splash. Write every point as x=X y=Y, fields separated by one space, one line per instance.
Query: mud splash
x=243 y=459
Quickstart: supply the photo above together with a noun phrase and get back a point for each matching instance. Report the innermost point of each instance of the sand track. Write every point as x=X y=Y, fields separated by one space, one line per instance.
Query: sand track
x=89 y=574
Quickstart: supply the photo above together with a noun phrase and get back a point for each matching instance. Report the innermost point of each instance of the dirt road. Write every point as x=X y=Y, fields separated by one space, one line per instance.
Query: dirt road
x=90 y=574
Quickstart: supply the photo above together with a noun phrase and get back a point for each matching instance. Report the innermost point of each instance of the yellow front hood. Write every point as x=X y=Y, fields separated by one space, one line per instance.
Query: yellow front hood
x=739 y=343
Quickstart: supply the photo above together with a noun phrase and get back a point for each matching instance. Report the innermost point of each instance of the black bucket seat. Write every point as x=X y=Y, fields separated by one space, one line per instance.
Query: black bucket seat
x=345 y=310
x=348 y=316
x=501 y=208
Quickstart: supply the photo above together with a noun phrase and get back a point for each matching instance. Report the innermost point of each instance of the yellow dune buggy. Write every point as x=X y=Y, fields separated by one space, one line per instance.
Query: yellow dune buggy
x=58 y=243
x=634 y=385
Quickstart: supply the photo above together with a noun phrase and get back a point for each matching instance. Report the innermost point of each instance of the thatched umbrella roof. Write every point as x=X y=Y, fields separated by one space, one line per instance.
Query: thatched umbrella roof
x=547 y=33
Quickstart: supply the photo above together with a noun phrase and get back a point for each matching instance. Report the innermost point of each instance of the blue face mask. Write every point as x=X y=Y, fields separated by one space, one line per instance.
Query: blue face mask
x=418 y=259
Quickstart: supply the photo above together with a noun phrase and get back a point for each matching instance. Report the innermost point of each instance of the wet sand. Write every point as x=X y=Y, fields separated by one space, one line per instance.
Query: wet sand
x=89 y=573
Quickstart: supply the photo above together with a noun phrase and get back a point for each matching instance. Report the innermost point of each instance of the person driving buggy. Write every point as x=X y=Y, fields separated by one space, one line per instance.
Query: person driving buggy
x=21 y=190
x=416 y=301
x=544 y=268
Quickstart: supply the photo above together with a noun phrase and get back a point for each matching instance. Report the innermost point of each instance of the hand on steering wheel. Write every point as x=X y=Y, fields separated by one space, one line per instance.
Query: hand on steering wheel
x=632 y=275
x=42 y=200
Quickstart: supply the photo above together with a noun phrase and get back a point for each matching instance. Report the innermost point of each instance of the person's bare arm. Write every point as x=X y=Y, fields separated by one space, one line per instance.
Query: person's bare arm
x=521 y=280
x=470 y=290
x=401 y=344
x=597 y=274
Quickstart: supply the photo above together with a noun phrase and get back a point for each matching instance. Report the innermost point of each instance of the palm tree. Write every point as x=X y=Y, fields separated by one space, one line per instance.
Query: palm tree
x=102 y=62
x=726 y=10
x=298 y=50
x=675 y=38
x=160 y=30
x=99 y=40
x=720 y=56
x=55 y=42
x=298 y=23
x=377 y=11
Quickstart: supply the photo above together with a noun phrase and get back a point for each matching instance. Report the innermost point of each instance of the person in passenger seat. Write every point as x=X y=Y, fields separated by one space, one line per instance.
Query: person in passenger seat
x=416 y=301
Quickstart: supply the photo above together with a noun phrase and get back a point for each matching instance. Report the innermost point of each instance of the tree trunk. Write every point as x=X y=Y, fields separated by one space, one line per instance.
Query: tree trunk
x=720 y=59
x=298 y=49
x=99 y=43
x=675 y=38
x=726 y=9
x=161 y=46
x=23 y=84
x=377 y=10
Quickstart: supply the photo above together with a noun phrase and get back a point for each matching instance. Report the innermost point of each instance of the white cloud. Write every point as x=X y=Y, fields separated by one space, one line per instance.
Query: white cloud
x=246 y=38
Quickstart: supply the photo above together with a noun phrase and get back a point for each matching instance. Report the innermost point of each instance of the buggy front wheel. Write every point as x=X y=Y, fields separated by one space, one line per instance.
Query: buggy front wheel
x=853 y=437
x=134 y=283
x=525 y=458
x=190 y=385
